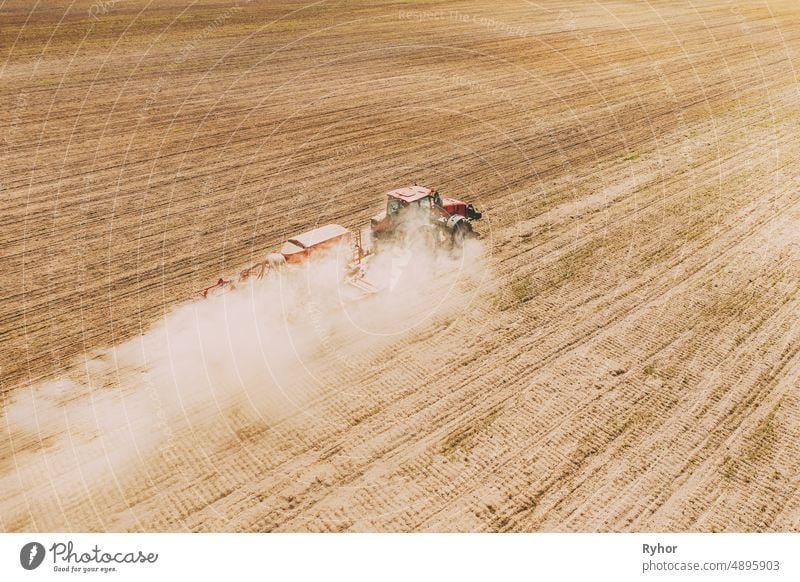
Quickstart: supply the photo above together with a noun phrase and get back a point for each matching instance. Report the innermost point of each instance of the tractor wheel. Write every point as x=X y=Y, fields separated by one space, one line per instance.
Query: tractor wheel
x=461 y=231
x=444 y=237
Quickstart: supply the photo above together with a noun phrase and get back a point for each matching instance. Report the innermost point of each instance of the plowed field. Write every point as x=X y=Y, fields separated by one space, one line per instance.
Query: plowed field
x=618 y=351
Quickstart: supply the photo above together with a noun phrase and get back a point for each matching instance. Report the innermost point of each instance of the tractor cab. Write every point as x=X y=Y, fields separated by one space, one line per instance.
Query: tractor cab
x=416 y=200
x=401 y=205
x=417 y=205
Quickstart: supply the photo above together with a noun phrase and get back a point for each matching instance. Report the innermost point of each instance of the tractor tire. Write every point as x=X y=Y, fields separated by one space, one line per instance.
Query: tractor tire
x=444 y=237
x=461 y=231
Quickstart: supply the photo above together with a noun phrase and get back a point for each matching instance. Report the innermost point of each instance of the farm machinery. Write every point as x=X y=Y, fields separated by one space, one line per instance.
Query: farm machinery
x=414 y=213
x=416 y=209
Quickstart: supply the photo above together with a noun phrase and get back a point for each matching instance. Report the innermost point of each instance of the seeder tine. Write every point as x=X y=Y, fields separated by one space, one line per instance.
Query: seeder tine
x=363 y=285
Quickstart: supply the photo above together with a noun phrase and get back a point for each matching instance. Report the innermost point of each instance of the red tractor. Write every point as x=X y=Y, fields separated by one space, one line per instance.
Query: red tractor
x=415 y=208
x=412 y=214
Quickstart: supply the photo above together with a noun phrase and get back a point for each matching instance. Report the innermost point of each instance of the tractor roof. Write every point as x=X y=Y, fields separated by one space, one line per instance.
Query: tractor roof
x=410 y=193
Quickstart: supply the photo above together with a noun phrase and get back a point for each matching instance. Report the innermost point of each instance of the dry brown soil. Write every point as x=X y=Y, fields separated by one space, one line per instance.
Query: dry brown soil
x=630 y=359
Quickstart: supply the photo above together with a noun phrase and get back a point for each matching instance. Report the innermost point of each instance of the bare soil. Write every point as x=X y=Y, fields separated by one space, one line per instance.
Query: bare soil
x=627 y=359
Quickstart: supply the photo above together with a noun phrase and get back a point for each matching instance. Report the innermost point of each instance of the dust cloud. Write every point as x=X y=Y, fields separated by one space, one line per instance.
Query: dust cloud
x=265 y=349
